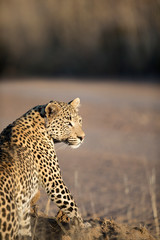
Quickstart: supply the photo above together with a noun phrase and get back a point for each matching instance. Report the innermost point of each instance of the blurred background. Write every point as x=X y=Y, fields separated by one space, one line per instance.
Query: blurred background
x=107 y=53
x=82 y=38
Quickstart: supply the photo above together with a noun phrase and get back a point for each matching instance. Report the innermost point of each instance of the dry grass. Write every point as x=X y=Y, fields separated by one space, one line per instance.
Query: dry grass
x=152 y=190
x=151 y=178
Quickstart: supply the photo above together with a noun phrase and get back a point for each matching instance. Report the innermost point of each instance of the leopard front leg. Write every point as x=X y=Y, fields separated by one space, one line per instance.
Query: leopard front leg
x=64 y=200
x=59 y=193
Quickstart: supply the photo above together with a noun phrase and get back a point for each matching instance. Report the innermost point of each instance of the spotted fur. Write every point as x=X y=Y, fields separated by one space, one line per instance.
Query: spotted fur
x=28 y=159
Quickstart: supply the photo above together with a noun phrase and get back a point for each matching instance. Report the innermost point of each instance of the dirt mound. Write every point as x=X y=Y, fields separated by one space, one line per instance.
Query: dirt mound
x=47 y=228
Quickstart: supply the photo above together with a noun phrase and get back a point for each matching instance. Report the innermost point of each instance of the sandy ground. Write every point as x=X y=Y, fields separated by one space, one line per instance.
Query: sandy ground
x=116 y=172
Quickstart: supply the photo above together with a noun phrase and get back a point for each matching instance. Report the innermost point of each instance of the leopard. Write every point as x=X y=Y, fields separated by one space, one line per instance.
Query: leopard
x=28 y=160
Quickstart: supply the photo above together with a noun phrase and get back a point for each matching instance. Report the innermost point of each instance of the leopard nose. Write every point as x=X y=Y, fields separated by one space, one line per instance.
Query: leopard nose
x=81 y=137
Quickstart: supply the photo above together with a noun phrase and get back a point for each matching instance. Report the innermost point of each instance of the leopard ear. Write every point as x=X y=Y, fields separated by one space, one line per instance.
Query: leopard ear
x=75 y=103
x=51 y=110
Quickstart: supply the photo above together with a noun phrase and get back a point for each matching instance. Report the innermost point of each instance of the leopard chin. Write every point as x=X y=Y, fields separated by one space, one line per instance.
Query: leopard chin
x=75 y=146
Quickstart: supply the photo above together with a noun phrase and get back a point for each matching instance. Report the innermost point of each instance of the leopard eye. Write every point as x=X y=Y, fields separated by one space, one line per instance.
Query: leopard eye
x=70 y=124
x=80 y=120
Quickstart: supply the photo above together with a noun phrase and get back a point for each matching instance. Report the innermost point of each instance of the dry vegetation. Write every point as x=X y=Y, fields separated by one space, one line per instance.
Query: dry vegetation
x=79 y=37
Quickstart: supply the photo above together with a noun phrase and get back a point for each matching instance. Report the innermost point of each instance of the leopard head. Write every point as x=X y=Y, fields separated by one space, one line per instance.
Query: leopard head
x=63 y=124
